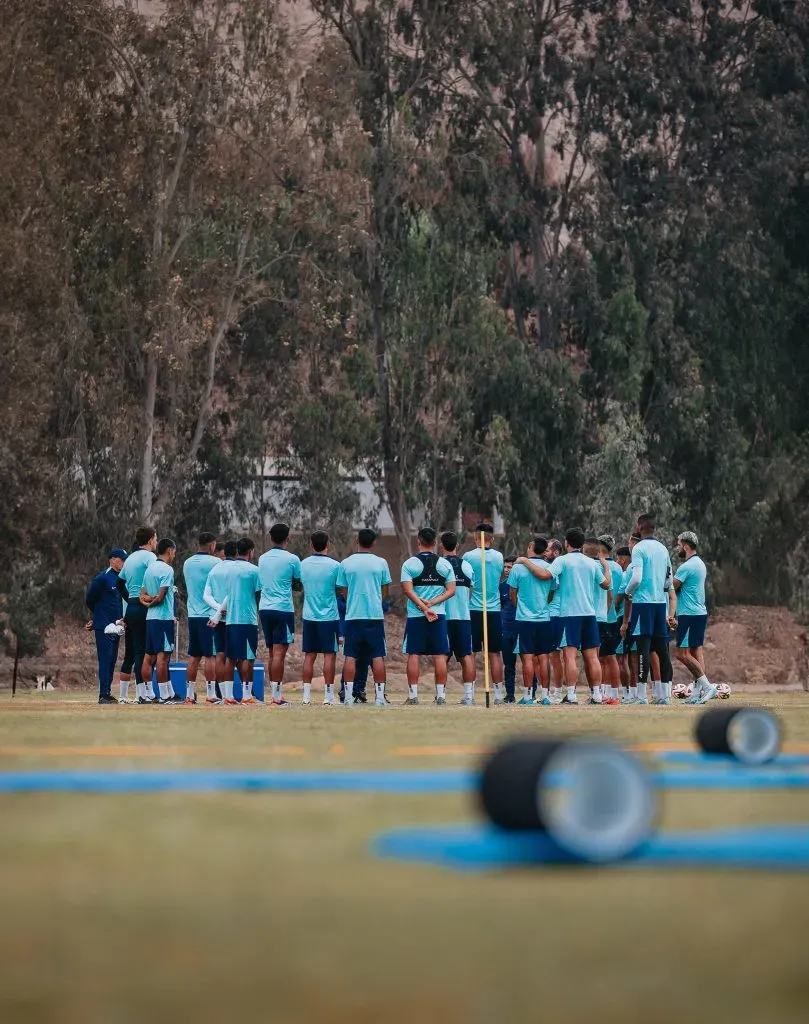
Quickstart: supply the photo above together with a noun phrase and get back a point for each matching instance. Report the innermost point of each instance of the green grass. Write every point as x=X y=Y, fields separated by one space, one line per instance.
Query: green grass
x=226 y=907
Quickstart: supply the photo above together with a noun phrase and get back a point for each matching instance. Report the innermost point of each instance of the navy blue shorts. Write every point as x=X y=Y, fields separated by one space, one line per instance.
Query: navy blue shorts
x=320 y=637
x=556 y=624
x=459 y=634
x=201 y=638
x=536 y=637
x=610 y=636
x=495 y=626
x=365 y=637
x=579 y=631
x=220 y=641
x=241 y=642
x=649 y=620
x=423 y=637
x=691 y=630
x=159 y=636
x=278 y=627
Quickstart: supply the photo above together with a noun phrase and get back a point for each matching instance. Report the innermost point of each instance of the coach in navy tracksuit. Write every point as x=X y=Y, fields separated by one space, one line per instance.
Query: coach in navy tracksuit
x=509 y=628
x=104 y=601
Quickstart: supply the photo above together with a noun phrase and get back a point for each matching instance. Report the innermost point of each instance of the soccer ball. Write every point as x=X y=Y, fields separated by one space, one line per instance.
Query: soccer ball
x=723 y=691
x=682 y=690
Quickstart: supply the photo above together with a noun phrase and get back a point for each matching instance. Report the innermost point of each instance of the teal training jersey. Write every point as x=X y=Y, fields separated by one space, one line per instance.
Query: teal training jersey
x=691 y=595
x=577 y=576
x=494 y=570
x=617 y=575
x=652 y=559
x=243 y=583
x=532 y=593
x=278 y=568
x=413 y=568
x=458 y=605
x=133 y=570
x=319 y=577
x=159 y=574
x=196 y=570
x=364 y=574
x=601 y=600
x=218 y=582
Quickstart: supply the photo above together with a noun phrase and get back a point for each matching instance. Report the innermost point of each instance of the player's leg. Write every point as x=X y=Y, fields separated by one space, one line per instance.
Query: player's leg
x=413 y=672
x=592 y=669
x=571 y=674
x=527 y=668
x=415 y=644
x=438 y=644
x=440 y=671
x=191 y=670
x=509 y=656
x=495 y=628
x=542 y=673
x=692 y=639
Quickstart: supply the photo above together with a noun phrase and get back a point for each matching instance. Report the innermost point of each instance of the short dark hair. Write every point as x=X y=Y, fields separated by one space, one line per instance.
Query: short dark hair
x=647 y=520
x=219 y=546
x=320 y=540
x=366 y=538
x=449 y=541
x=484 y=528
x=635 y=536
x=540 y=545
x=206 y=538
x=556 y=546
x=623 y=552
x=231 y=548
x=427 y=535
x=575 y=537
x=143 y=535
x=165 y=545
x=592 y=540
x=245 y=545
x=279 y=533
x=512 y=556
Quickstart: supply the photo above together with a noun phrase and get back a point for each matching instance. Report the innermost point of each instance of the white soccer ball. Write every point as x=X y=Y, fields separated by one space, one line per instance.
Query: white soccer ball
x=682 y=690
x=723 y=691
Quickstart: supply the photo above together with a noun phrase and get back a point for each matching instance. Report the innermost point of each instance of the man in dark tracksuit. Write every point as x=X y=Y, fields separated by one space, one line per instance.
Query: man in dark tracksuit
x=104 y=601
x=507 y=614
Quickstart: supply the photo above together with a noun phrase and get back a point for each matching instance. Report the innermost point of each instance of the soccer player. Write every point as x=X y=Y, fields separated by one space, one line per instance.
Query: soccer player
x=130 y=581
x=201 y=638
x=577 y=576
x=508 y=631
x=214 y=597
x=321 y=619
x=240 y=605
x=459 y=627
x=649 y=587
x=364 y=579
x=555 y=549
x=609 y=628
x=105 y=602
x=157 y=594
x=692 y=617
x=428 y=581
x=280 y=571
x=530 y=594
x=623 y=556
x=494 y=571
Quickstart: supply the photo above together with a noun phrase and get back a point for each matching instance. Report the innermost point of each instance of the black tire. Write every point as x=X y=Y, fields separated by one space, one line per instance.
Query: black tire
x=712 y=730
x=509 y=784
x=757 y=740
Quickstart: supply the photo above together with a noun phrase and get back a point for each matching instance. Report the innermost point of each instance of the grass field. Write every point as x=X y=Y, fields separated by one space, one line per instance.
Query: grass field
x=270 y=907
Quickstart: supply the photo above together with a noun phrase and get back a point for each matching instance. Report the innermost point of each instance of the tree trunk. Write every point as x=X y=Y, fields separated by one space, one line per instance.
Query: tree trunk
x=16 y=666
x=147 y=464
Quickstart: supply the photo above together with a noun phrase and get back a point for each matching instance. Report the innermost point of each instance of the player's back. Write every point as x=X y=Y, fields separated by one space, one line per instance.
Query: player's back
x=277 y=569
x=692 y=575
x=655 y=564
x=364 y=574
x=196 y=570
x=243 y=583
x=532 y=592
x=458 y=605
x=159 y=574
x=319 y=578
x=217 y=578
x=134 y=569
x=494 y=570
x=576 y=575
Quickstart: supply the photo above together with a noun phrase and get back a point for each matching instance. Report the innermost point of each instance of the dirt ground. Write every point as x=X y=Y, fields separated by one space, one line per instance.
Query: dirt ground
x=747 y=646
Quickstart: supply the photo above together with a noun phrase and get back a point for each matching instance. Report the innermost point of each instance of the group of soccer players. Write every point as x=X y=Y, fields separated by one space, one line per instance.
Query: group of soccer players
x=615 y=607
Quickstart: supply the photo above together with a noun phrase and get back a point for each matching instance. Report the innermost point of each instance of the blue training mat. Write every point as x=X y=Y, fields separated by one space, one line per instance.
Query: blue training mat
x=485 y=848
x=444 y=781
x=697 y=757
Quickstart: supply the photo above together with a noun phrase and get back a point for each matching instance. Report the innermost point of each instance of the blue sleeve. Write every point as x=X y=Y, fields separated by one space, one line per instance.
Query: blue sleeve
x=386 y=578
x=407 y=571
x=94 y=593
x=296 y=569
x=682 y=574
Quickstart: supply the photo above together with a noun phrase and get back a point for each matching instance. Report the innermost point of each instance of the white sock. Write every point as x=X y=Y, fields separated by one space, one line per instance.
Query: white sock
x=667 y=690
x=379 y=691
x=149 y=687
x=330 y=691
x=307 y=692
x=657 y=689
x=227 y=690
x=439 y=689
x=210 y=688
x=543 y=693
x=498 y=691
x=557 y=693
x=469 y=690
x=633 y=692
x=526 y=692
x=189 y=688
x=279 y=687
x=171 y=688
x=123 y=689
x=642 y=690
x=571 y=691
x=413 y=691
x=164 y=690
x=247 y=690
x=701 y=683
x=597 y=692
x=273 y=690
